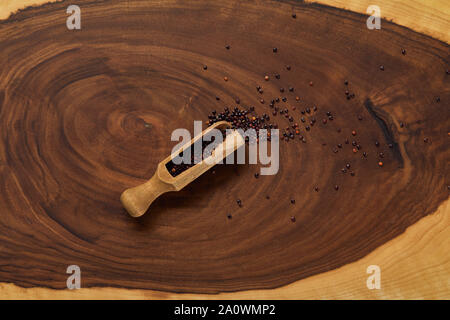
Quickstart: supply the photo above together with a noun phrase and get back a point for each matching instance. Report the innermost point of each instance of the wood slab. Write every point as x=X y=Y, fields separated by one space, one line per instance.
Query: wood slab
x=85 y=116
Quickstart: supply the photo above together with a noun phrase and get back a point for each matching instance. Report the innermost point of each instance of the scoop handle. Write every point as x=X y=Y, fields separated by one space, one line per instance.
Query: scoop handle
x=137 y=200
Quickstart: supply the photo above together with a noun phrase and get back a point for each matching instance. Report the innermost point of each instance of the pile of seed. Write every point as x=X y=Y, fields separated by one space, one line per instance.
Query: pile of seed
x=244 y=118
x=308 y=117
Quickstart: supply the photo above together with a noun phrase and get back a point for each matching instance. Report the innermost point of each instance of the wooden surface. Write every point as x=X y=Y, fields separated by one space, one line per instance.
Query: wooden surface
x=413 y=266
x=425 y=16
x=332 y=230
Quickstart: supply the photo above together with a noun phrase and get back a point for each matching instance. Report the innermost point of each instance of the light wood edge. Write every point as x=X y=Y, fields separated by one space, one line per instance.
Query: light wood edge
x=430 y=17
x=415 y=265
x=7 y=7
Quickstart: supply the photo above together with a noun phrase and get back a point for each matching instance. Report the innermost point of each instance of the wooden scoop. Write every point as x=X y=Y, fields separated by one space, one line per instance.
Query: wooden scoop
x=137 y=200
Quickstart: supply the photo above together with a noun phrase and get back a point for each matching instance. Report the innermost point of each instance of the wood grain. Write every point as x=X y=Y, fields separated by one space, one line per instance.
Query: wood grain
x=414 y=265
x=425 y=16
x=69 y=146
x=429 y=17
